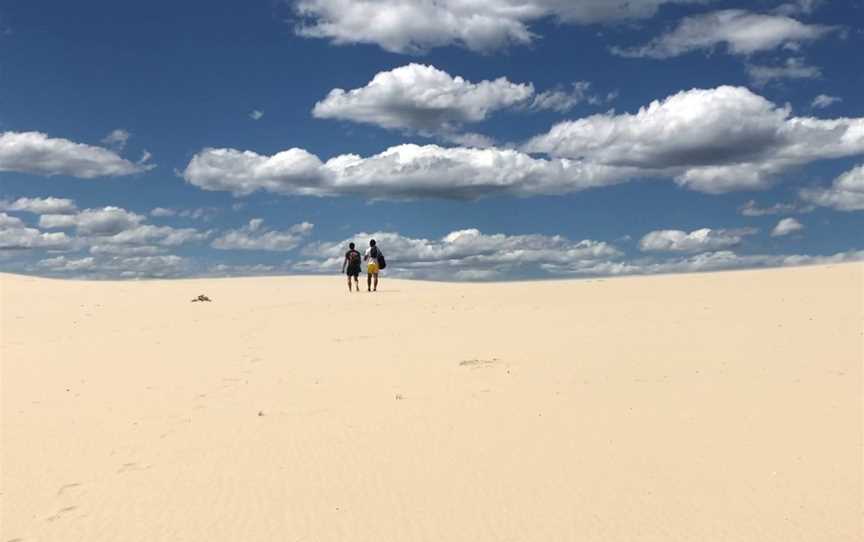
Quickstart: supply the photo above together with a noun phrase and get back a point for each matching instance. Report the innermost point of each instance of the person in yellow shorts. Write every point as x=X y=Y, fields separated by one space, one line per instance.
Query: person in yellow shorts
x=371 y=258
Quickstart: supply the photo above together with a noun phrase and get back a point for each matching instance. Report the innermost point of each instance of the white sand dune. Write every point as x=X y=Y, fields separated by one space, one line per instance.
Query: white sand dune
x=713 y=407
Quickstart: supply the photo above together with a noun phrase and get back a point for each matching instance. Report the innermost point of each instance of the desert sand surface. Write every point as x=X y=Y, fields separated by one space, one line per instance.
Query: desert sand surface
x=708 y=407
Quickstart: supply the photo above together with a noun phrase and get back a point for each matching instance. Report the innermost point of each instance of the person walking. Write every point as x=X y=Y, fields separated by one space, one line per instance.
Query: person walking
x=352 y=264
x=374 y=262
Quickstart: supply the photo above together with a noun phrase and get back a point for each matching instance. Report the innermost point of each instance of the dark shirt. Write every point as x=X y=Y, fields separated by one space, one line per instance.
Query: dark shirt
x=353 y=258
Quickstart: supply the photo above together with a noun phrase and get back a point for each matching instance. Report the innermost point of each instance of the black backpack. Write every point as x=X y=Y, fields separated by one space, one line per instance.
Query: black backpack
x=379 y=257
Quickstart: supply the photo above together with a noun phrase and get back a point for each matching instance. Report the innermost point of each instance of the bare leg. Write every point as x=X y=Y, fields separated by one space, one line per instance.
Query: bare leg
x=375 y=287
x=349 y=283
x=369 y=282
x=357 y=283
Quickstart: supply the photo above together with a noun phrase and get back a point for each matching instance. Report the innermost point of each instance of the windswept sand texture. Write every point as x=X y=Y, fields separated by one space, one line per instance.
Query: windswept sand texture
x=715 y=407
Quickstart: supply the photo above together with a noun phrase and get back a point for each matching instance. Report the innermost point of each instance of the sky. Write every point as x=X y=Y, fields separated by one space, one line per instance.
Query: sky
x=481 y=140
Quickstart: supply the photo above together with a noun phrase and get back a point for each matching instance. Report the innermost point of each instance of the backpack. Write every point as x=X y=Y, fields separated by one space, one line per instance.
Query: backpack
x=379 y=257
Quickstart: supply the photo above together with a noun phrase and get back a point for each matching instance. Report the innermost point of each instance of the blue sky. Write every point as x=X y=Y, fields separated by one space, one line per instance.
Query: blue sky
x=477 y=141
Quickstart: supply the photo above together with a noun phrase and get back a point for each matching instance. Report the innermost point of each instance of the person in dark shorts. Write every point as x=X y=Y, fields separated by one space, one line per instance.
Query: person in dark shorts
x=352 y=265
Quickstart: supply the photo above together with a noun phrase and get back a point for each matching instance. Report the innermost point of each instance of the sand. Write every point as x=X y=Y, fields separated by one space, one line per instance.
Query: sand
x=711 y=407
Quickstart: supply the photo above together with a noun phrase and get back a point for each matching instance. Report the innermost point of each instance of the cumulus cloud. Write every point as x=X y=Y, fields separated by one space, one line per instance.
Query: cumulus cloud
x=404 y=171
x=846 y=193
x=714 y=140
x=786 y=226
x=792 y=68
x=105 y=221
x=38 y=154
x=117 y=226
x=40 y=206
x=423 y=99
x=117 y=139
x=823 y=100
x=464 y=254
x=254 y=236
x=256 y=115
x=14 y=234
x=426 y=100
x=711 y=140
x=741 y=32
x=702 y=240
x=64 y=264
x=415 y=26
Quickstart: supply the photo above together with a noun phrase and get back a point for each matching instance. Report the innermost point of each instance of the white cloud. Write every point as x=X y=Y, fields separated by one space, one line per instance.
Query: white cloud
x=846 y=193
x=403 y=171
x=463 y=254
x=804 y=7
x=564 y=100
x=40 y=206
x=64 y=264
x=14 y=234
x=200 y=213
x=714 y=140
x=823 y=100
x=162 y=212
x=792 y=68
x=145 y=234
x=708 y=261
x=741 y=31
x=99 y=222
x=117 y=139
x=422 y=99
x=124 y=250
x=701 y=240
x=36 y=153
x=752 y=209
x=425 y=100
x=103 y=227
x=415 y=26
x=254 y=236
x=786 y=226
x=256 y=115
x=710 y=140
x=7 y=221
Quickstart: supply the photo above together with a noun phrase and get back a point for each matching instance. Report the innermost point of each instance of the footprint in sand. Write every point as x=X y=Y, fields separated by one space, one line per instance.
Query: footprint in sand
x=479 y=363
x=66 y=487
x=60 y=513
x=130 y=467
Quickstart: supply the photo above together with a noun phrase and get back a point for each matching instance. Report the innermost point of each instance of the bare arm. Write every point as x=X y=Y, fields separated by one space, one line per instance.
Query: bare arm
x=344 y=263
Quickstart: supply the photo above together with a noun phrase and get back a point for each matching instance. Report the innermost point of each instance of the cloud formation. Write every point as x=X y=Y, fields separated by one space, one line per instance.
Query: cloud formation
x=792 y=68
x=715 y=140
x=117 y=139
x=38 y=154
x=702 y=240
x=40 y=206
x=846 y=193
x=741 y=32
x=404 y=171
x=422 y=99
x=415 y=26
x=463 y=255
x=254 y=236
x=15 y=235
x=711 y=140
x=786 y=226
x=823 y=100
